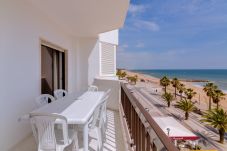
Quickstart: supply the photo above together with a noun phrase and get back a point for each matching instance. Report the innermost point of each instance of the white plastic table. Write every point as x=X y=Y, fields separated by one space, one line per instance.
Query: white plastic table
x=77 y=111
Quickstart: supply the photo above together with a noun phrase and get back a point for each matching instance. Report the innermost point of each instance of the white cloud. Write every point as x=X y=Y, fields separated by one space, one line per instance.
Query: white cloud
x=122 y=47
x=152 y=60
x=190 y=6
x=135 y=9
x=168 y=60
x=134 y=60
x=140 y=45
x=150 y=25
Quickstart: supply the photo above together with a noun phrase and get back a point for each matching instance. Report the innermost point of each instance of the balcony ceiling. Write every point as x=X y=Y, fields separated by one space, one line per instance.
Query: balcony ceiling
x=85 y=17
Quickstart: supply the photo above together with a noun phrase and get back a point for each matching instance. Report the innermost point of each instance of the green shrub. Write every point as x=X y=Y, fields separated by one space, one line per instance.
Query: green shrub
x=132 y=79
x=121 y=75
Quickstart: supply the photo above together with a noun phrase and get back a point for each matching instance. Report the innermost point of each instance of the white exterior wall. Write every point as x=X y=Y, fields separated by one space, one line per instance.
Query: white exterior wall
x=105 y=83
x=21 y=28
x=109 y=81
x=87 y=62
x=110 y=37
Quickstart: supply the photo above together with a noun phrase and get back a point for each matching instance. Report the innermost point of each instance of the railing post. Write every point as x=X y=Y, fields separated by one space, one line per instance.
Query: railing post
x=143 y=137
x=148 y=142
x=133 y=124
x=138 y=133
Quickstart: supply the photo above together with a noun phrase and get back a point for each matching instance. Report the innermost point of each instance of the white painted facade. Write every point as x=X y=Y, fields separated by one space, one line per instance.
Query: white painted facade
x=22 y=26
x=110 y=37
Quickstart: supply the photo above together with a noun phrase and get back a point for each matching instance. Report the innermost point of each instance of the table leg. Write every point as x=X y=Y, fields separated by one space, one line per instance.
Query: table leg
x=85 y=137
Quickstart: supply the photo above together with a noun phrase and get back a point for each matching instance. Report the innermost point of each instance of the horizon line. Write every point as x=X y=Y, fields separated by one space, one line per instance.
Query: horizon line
x=177 y=69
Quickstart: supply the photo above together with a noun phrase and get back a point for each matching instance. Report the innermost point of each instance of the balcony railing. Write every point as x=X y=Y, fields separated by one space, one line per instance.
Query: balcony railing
x=144 y=132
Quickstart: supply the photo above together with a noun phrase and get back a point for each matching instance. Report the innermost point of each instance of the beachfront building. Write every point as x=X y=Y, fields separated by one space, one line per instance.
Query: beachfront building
x=49 y=45
x=181 y=136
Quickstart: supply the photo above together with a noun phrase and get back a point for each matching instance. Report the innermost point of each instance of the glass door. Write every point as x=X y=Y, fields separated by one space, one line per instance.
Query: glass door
x=53 y=70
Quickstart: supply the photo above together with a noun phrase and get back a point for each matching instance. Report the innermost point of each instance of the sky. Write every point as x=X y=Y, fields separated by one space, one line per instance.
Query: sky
x=174 y=34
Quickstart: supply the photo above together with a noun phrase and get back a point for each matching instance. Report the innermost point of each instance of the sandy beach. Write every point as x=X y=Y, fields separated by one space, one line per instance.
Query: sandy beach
x=201 y=97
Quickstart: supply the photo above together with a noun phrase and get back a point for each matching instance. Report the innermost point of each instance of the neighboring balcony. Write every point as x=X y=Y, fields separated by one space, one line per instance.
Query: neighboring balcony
x=130 y=127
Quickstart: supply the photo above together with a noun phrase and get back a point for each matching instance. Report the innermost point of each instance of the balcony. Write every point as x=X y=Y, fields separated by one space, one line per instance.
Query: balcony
x=129 y=128
x=114 y=138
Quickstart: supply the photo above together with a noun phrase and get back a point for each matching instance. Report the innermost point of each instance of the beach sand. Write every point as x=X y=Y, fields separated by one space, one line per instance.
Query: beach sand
x=201 y=97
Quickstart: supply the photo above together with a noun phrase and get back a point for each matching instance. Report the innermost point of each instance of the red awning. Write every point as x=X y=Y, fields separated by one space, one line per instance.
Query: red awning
x=192 y=138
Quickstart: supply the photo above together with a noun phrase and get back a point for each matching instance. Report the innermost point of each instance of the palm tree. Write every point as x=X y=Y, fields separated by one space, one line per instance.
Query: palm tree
x=181 y=89
x=190 y=93
x=218 y=119
x=168 y=97
x=121 y=74
x=218 y=96
x=164 y=82
x=134 y=79
x=175 y=82
x=209 y=88
x=187 y=106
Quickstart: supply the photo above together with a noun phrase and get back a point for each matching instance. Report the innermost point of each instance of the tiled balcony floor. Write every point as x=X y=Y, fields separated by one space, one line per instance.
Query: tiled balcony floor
x=114 y=137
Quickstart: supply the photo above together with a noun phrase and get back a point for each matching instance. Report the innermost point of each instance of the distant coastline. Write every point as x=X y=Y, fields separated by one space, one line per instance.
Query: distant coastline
x=144 y=78
x=198 y=77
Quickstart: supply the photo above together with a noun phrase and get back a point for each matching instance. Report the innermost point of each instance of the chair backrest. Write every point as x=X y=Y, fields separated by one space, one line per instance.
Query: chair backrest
x=60 y=93
x=92 y=88
x=106 y=96
x=34 y=130
x=44 y=99
x=104 y=110
x=98 y=113
x=44 y=129
x=107 y=93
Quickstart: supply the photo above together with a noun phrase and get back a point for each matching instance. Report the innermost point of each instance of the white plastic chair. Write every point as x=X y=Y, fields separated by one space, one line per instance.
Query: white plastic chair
x=60 y=93
x=43 y=127
x=92 y=88
x=44 y=99
x=105 y=98
x=97 y=122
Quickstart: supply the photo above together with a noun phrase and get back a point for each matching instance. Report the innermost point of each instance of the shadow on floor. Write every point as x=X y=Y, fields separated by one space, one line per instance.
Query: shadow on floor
x=113 y=136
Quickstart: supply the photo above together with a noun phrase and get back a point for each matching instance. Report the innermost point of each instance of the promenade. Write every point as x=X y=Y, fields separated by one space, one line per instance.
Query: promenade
x=157 y=107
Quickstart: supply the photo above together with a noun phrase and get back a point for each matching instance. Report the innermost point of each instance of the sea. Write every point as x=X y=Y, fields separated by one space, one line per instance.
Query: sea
x=217 y=76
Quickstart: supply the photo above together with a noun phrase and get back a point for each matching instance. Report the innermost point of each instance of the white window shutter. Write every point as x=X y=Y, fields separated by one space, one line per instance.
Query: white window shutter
x=107 y=59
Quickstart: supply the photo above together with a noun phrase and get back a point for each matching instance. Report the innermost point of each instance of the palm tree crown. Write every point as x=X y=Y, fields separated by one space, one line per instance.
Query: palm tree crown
x=218 y=119
x=218 y=96
x=181 y=88
x=175 y=82
x=168 y=97
x=121 y=74
x=164 y=82
x=209 y=88
x=190 y=93
x=187 y=106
